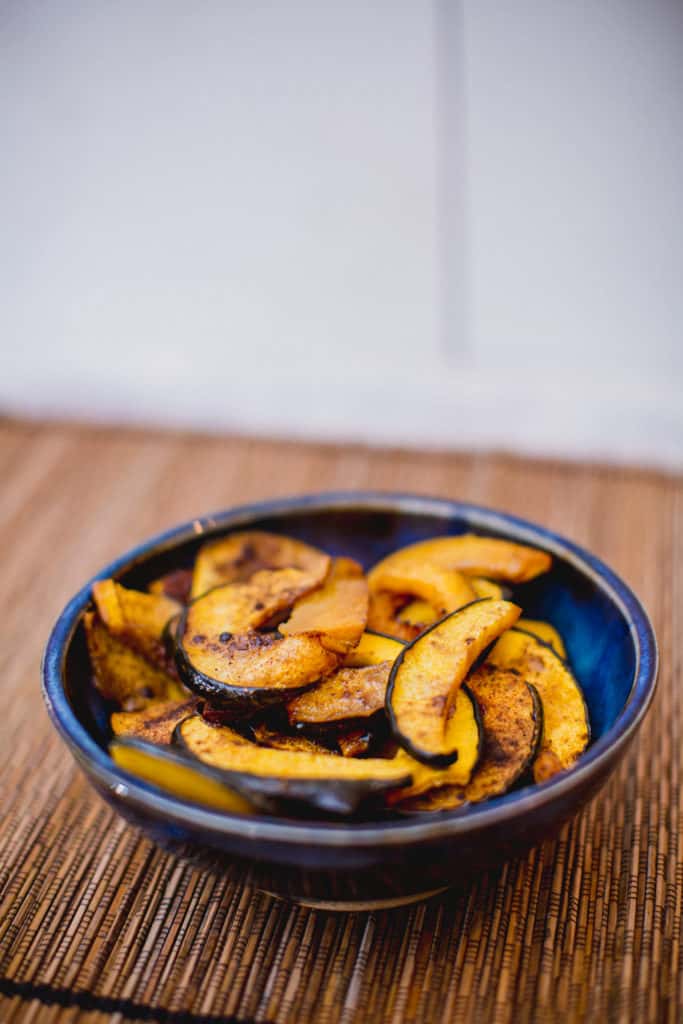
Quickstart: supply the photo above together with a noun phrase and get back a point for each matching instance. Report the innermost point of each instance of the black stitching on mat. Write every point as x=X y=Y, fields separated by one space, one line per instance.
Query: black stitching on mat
x=105 y=1004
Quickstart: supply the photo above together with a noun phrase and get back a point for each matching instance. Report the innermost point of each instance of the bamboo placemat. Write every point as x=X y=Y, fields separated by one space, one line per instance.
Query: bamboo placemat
x=96 y=924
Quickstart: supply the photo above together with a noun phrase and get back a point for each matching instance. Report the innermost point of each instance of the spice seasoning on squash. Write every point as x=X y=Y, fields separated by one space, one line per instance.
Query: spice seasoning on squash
x=511 y=720
x=238 y=557
x=566 y=729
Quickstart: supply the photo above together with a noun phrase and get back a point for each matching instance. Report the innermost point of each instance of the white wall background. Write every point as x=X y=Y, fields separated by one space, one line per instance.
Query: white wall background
x=455 y=222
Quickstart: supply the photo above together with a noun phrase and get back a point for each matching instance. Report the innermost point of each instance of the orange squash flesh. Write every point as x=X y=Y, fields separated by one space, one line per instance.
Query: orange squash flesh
x=177 y=775
x=282 y=741
x=384 y=616
x=122 y=674
x=444 y=589
x=136 y=618
x=347 y=693
x=354 y=742
x=336 y=613
x=372 y=649
x=490 y=557
x=218 y=746
x=236 y=558
x=156 y=723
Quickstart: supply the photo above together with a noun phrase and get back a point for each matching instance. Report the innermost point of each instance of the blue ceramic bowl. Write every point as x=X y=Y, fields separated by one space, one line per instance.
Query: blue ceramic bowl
x=610 y=643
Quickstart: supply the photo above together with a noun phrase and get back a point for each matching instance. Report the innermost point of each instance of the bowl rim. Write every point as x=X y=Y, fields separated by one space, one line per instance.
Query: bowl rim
x=144 y=797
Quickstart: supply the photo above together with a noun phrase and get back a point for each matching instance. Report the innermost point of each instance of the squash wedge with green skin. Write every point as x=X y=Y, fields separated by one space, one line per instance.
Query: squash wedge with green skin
x=236 y=558
x=326 y=782
x=155 y=723
x=490 y=557
x=178 y=774
x=545 y=632
x=221 y=656
x=428 y=673
x=124 y=675
x=137 y=618
x=464 y=734
x=373 y=648
x=566 y=728
x=512 y=722
x=348 y=693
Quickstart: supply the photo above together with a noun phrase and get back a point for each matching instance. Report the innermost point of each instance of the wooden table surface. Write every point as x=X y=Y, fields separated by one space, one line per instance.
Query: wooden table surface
x=97 y=924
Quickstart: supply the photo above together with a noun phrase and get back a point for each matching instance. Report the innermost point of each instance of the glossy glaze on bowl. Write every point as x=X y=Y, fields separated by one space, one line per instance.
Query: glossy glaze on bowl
x=610 y=644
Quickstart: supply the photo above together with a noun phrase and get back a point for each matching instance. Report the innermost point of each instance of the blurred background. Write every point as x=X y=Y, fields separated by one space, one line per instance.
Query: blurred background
x=441 y=224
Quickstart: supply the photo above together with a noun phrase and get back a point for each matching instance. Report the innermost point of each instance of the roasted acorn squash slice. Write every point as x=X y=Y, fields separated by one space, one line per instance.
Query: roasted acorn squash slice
x=346 y=694
x=155 y=723
x=136 y=618
x=355 y=742
x=178 y=774
x=468 y=553
x=426 y=676
x=336 y=613
x=221 y=655
x=384 y=616
x=488 y=588
x=236 y=558
x=324 y=781
x=566 y=729
x=124 y=675
x=421 y=614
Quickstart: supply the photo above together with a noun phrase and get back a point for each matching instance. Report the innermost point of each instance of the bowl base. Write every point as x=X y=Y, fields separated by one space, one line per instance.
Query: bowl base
x=351 y=906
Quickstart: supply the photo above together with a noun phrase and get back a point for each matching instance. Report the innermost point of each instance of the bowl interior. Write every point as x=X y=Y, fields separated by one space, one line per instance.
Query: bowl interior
x=595 y=629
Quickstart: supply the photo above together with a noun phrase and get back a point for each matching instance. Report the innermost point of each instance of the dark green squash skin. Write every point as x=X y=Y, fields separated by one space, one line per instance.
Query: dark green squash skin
x=396 y=640
x=168 y=636
x=539 y=718
x=234 y=701
x=331 y=796
x=425 y=756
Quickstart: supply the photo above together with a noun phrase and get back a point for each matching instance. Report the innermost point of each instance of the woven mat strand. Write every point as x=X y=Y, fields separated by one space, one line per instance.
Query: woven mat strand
x=97 y=924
